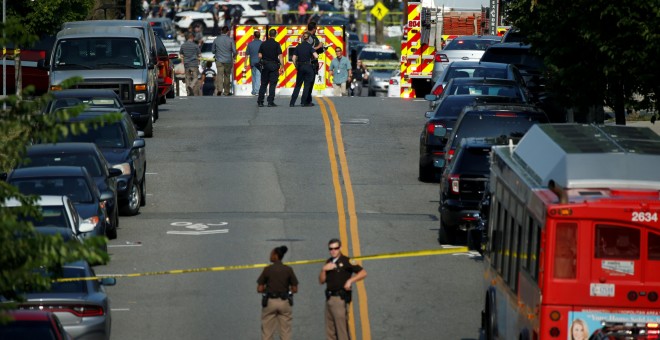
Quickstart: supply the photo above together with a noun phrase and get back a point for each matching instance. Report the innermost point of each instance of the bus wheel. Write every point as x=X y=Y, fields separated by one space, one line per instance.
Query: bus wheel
x=490 y=322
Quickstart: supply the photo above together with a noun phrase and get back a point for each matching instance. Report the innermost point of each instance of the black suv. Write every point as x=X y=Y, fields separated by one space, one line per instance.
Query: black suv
x=462 y=188
x=125 y=150
x=506 y=121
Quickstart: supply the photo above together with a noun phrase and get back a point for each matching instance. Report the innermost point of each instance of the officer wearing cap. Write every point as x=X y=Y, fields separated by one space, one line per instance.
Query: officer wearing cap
x=277 y=284
x=303 y=55
x=318 y=47
x=270 y=55
x=339 y=274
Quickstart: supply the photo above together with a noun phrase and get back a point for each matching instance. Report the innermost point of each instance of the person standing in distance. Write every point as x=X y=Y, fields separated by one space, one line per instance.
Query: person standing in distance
x=224 y=50
x=341 y=73
x=215 y=11
x=339 y=274
x=190 y=54
x=277 y=284
x=253 y=61
x=318 y=47
x=270 y=54
x=303 y=55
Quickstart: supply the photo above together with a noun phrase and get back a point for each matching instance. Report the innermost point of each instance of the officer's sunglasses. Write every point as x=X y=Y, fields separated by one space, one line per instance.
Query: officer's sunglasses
x=333 y=248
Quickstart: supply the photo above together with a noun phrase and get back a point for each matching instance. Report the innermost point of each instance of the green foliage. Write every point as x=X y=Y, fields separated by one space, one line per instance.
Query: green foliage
x=45 y=17
x=596 y=52
x=22 y=249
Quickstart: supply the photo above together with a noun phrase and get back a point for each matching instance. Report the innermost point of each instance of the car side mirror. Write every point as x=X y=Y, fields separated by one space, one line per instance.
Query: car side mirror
x=440 y=131
x=428 y=114
x=114 y=172
x=139 y=143
x=431 y=97
x=108 y=281
x=107 y=195
x=86 y=227
x=140 y=134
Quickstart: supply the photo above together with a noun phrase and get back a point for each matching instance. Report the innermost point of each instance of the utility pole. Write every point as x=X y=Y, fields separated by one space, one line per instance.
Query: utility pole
x=128 y=10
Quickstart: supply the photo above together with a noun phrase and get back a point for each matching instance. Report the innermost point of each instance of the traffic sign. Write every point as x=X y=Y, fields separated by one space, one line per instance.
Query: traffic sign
x=379 y=11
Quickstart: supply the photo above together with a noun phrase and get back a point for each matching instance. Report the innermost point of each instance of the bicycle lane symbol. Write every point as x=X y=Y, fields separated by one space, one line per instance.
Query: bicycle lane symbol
x=197 y=229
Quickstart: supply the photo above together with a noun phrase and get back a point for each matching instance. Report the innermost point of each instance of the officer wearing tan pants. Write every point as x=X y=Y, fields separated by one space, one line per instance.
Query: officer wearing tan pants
x=277 y=284
x=339 y=274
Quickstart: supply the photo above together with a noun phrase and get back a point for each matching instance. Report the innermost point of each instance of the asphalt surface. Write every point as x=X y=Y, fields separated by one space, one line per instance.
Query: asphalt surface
x=228 y=181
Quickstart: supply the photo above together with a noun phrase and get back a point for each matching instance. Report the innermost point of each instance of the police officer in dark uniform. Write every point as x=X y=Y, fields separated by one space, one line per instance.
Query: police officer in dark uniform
x=303 y=55
x=318 y=47
x=277 y=284
x=339 y=273
x=270 y=55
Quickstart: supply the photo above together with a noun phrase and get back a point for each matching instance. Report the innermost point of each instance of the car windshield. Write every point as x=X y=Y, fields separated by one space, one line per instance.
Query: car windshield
x=98 y=52
x=69 y=287
x=377 y=55
x=91 y=163
x=517 y=56
x=107 y=136
x=485 y=90
x=451 y=107
x=53 y=216
x=74 y=187
x=499 y=126
x=473 y=160
x=91 y=102
x=475 y=72
x=470 y=44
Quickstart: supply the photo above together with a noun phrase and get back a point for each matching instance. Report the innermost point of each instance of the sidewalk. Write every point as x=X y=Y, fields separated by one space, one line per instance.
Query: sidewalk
x=655 y=127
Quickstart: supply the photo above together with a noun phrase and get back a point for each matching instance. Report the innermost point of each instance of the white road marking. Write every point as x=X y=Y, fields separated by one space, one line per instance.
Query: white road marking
x=197 y=233
x=124 y=245
x=151 y=173
x=120 y=309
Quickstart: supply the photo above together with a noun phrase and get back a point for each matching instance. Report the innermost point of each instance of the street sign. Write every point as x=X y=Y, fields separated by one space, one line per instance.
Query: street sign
x=379 y=11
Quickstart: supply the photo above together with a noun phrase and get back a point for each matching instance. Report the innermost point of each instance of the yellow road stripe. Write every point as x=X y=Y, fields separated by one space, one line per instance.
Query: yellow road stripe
x=353 y=222
x=416 y=253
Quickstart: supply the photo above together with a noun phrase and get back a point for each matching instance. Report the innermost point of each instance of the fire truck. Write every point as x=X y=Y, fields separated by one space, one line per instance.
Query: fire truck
x=426 y=29
x=33 y=67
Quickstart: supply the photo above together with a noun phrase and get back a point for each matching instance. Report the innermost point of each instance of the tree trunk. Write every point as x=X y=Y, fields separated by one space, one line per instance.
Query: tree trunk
x=619 y=106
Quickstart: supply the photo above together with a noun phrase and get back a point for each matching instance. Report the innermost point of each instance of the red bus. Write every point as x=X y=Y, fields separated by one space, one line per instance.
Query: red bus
x=572 y=249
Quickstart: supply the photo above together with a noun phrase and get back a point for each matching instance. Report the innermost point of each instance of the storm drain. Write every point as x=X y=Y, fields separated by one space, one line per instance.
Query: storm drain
x=358 y=121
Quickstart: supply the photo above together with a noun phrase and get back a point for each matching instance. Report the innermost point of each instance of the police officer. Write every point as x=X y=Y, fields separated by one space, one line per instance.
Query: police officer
x=318 y=47
x=303 y=55
x=339 y=274
x=270 y=54
x=277 y=284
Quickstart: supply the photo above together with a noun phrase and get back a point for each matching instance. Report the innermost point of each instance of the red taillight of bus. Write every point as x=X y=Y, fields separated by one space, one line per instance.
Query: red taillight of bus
x=454 y=183
x=442 y=58
x=438 y=90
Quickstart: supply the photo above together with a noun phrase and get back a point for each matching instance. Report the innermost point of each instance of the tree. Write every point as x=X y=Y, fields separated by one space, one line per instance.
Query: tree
x=22 y=249
x=596 y=52
x=45 y=17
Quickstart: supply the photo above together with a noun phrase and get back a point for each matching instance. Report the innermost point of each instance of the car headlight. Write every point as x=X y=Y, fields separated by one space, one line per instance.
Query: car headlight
x=140 y=97
x=124 y=167
x=92 y=220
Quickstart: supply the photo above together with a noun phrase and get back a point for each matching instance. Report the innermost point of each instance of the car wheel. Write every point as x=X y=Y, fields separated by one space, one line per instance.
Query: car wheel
x=371 y=92
x=111 y=232
x=170 y=94
x=156 y=111
x=162 y=100
x=134 y=198
x=490 y=322
x=149 y=128
x=425 y=174
x=143 y=190
x=445 y=235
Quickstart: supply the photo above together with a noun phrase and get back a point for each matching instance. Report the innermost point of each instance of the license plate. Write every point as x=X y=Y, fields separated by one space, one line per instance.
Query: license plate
x=602 y=289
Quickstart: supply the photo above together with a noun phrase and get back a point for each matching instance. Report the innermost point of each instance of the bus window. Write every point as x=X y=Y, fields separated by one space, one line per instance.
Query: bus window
x=654 y=246
x=565 y=251
x=616 y=242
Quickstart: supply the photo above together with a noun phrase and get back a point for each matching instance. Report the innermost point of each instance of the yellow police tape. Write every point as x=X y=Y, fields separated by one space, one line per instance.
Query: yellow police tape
x=417 y=253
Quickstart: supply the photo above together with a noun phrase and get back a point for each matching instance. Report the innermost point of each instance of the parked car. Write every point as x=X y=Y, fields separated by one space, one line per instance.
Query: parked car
x=59 y=215
x=473 y=69
x=507 y=121
x=165 y=24
x=125 y=150
x=89 y=156
x=72 y=181
x=378 y=56
x=165 y=72
x=253 y=14
x=103 y=100
x=462 y=188
x=436 y=131
x=83 y=307
x=394 y=90
x=379 y=81
x=33 y=324
x=465 y=48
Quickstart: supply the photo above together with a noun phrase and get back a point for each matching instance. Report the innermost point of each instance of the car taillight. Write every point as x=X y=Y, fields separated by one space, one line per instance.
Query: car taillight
x=394 y=82
x=438 y=90
x=430 y=128
x=454 y=181
x=505 y=114
x=80 y=311
x=442 y=58
x=451 y=154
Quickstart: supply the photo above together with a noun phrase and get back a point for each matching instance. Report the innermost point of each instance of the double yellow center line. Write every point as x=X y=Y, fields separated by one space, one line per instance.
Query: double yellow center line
x=333 y=155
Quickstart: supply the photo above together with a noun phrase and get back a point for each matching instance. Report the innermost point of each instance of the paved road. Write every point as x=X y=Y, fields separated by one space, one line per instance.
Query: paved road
x=247 y=179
